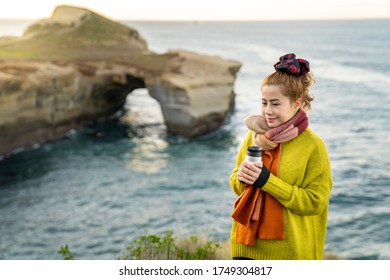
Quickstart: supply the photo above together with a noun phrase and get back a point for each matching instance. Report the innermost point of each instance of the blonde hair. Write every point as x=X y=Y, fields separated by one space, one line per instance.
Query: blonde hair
x=292 y=86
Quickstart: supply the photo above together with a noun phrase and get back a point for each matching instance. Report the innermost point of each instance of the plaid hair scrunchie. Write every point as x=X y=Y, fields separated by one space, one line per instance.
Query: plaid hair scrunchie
x=290 y=65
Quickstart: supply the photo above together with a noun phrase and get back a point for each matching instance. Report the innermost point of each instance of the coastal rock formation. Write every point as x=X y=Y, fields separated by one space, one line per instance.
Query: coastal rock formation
x=78 y=66
x=40 y=101
x=196 y=98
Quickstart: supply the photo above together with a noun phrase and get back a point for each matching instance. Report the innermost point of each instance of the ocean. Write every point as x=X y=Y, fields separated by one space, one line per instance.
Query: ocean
x=98 y=194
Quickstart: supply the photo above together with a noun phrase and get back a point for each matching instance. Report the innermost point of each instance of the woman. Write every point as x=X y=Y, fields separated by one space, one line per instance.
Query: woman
x=282 y=208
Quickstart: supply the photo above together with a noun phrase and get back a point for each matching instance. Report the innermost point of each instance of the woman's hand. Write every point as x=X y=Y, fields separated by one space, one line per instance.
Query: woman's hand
x=249 y=172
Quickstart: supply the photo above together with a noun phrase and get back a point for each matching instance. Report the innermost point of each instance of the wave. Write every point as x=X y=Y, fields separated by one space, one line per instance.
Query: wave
x=268 y=55
x=338 y=72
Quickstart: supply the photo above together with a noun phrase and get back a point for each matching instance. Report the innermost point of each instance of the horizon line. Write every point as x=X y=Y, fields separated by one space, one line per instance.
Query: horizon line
x=223 y=20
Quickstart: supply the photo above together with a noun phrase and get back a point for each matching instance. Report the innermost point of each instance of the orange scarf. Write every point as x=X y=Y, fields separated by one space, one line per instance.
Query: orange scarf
x=260 y=215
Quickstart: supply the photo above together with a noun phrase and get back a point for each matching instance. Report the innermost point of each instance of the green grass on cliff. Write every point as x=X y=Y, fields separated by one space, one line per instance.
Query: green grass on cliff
x=95 y=29
x=14 y=53
x=170 y=247
x=98 y=37
x=100 y=30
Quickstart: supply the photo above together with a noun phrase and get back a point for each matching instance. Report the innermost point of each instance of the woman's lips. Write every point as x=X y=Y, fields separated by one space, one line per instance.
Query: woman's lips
x=271 y=120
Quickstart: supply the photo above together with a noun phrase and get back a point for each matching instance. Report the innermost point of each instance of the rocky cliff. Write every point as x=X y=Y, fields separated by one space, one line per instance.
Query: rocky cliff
x=78 y=66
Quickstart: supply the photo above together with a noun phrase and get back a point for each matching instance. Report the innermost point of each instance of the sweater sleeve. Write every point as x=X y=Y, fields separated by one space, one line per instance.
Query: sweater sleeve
x=312 y=196
x=235 y=184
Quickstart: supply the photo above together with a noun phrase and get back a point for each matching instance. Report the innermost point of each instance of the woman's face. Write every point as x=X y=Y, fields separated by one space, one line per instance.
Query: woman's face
x=277 y=108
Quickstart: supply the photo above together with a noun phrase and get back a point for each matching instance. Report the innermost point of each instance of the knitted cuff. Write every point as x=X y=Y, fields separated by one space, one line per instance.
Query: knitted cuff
x=263 y=178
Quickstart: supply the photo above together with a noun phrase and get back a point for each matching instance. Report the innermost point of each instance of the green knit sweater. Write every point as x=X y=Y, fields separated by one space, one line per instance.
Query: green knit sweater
x=303 y=187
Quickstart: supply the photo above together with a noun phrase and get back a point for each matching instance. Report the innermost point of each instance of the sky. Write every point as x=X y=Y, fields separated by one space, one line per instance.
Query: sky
x=206 y=10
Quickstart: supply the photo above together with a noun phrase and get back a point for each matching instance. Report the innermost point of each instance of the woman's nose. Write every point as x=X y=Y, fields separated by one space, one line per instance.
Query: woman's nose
x=268 y=110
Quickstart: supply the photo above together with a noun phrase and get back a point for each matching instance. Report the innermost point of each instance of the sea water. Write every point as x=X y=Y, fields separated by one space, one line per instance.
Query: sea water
x=100 y=187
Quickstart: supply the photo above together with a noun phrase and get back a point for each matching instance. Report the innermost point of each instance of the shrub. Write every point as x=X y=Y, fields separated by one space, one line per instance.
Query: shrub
x=66 y=253
x=155 y=247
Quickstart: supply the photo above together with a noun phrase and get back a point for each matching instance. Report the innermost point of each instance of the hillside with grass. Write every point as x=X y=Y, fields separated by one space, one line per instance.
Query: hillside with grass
x=74 y=33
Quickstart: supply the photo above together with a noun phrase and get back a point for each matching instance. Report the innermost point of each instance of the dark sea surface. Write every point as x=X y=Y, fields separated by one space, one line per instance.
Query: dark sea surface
x=97 y=194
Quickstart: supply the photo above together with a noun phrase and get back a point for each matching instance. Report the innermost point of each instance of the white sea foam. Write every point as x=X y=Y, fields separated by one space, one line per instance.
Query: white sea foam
x=338 y=72
x=323 y=68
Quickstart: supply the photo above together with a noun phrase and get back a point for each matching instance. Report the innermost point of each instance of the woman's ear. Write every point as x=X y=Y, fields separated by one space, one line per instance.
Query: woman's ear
x=298 y=103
